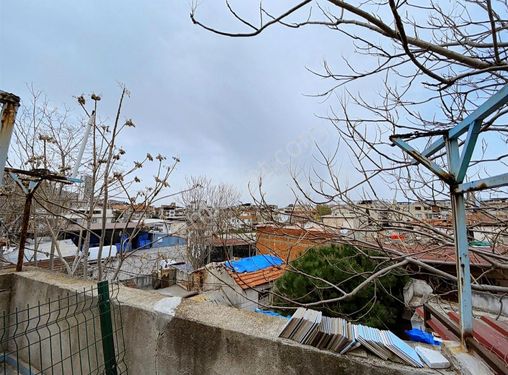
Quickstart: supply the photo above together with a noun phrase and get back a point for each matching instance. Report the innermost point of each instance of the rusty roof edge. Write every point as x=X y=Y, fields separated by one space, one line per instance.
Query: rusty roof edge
x=7 y=97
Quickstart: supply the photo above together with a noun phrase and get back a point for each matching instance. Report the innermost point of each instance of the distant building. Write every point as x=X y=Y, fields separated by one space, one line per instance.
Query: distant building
x=375 y=214
x=171 y=212
x=248 y=215
x=341 y=217
x=131 y=212
x=79 y=215
x=297 y=213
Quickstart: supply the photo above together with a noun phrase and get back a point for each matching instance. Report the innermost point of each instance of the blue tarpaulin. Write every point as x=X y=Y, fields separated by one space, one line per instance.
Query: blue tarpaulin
x=254 y=263
x=421 y=336
x=271 y=313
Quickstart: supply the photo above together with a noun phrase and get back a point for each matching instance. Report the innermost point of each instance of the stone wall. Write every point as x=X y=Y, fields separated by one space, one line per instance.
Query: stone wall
x=174 y=336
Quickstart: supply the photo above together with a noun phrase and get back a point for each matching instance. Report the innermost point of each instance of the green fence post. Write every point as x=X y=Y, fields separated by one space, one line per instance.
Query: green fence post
x=108 y=344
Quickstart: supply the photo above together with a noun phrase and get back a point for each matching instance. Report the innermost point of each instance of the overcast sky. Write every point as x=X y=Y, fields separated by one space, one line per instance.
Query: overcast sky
x=231 y=109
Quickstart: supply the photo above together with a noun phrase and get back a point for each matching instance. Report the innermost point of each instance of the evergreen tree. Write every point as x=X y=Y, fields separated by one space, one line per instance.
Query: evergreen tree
x=379 y=304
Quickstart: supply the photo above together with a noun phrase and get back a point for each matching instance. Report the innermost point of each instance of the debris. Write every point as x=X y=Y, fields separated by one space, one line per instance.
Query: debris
x=421 y=336
x=432 y=358
x=270 y=313
x=309 y=327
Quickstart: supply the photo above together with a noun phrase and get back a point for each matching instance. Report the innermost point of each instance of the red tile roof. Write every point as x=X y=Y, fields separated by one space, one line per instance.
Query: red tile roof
x=442 y=254
x=248 y=280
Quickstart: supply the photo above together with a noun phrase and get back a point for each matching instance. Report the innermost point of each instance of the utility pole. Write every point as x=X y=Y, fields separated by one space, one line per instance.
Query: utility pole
x=31 y=180
x=10 y=104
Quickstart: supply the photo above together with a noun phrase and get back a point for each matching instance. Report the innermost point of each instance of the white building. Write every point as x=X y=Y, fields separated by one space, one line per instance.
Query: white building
x=78 y=215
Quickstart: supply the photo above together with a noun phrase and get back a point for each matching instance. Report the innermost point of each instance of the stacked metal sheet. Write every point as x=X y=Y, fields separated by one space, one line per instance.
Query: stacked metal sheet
x=310 y=327
x=302 y=326
x=371 y=339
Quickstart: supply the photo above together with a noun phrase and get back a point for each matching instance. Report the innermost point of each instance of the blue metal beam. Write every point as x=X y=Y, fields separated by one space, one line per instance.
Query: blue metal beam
x=32 y=185
x=458 y=165
x=482 y=112
x=463 y=266
x=486 y=183
x=433 y=167
x=74 y=180
x=452 y=146
x=467 y=151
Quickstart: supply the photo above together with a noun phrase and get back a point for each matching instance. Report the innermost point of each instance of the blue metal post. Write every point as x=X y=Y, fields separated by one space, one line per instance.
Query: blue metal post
x=461 y=244
x=457 y=168
x=495 y=102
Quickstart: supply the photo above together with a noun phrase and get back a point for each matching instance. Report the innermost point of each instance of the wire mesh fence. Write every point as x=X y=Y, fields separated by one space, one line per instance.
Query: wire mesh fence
x=78 y=333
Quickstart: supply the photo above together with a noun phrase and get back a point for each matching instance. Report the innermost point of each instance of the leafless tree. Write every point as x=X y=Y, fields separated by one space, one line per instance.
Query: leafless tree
x=210 y=214
x=431 y=64
x=49 y=138
x=112 y=179
x=44 y=138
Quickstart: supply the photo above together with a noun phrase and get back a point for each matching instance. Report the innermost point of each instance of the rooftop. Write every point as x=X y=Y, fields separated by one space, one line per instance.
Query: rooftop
x=256 y=270
x=248 y=280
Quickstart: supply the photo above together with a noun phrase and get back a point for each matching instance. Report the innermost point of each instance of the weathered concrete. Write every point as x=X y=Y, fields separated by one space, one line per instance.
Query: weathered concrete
x=467 y=363
x=182 y=336
x=492 y=303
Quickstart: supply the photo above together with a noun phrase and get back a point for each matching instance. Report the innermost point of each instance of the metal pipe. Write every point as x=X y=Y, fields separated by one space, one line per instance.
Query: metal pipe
x=8 y=116
x=24 y=230
x=91 y=122
x=108 y=342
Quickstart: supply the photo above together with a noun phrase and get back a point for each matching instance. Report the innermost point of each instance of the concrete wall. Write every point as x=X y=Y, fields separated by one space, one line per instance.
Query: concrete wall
x=492 y=303
x=66 y=326
x=5 y=299
x=174 y=336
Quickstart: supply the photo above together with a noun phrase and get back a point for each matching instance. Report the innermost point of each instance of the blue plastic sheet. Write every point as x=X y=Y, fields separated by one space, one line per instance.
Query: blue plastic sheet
x=421 y=336
x=271 y=313
x=255 y=263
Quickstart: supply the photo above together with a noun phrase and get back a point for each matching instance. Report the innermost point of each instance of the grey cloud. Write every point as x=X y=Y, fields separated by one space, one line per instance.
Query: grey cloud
x=225 y=106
